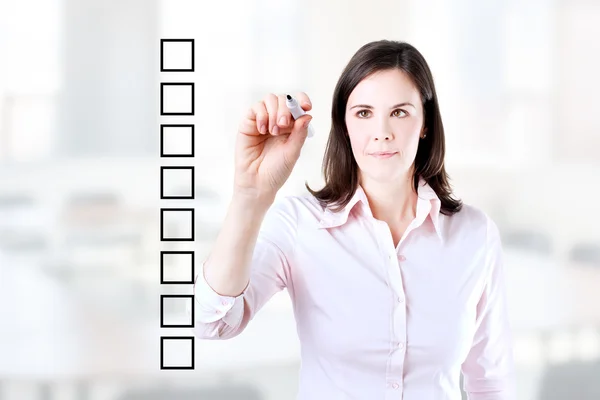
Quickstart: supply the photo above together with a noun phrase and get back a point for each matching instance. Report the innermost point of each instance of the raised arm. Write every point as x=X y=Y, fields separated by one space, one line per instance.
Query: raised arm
x=250 y=259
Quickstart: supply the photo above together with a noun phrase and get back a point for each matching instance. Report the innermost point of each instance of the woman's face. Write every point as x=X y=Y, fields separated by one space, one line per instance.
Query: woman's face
x=384 y=114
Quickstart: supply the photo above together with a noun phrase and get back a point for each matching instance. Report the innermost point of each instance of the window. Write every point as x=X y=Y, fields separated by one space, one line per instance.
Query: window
x=29 y=78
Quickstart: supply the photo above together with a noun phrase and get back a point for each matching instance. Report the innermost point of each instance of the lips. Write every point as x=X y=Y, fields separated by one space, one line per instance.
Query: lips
x=384 y=154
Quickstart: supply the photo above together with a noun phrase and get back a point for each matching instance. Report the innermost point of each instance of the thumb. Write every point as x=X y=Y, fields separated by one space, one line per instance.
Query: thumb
x=299 y=131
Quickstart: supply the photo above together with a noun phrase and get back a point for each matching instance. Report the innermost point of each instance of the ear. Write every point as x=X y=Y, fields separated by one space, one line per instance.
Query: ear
x=423 y=133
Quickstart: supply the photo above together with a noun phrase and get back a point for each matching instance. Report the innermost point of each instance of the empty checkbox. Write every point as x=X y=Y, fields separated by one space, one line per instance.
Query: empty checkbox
x=177 y=224
x=176 y=140
x=177 y=182
x=177 y=311
x=177 y=98
x=177 y=267
x=177 y=352
x=177 y=55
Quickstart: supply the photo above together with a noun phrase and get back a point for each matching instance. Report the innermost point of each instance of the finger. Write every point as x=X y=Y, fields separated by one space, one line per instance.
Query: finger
x=271 y=103
x=248 y=127
x=299 y=133
x=284 y=116
x=261 y=117
x=304 y=101
x=247 y=123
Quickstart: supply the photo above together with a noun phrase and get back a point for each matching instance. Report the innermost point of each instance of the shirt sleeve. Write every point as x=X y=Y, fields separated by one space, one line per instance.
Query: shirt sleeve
x=223 y=317
x=488 y=370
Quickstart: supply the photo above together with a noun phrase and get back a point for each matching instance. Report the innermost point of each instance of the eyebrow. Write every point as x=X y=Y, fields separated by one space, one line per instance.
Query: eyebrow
x=406 y=103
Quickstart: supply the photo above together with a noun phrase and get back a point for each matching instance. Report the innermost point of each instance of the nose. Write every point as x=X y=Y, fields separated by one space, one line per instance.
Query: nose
x=383 y=132
x=383 y=136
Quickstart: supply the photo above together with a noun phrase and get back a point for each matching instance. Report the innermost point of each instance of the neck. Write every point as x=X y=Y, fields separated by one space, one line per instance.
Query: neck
x=394 y=203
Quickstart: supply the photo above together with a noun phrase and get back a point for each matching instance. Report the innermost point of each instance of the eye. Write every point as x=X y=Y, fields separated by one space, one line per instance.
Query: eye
x=403 y=113
x=399 y=113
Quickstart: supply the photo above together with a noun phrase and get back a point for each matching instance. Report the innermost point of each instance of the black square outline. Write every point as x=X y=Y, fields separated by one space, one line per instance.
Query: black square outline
x=176 y=296
x=162 y=89
x=162 y=57
x=162 y=350
x=163 y=239
x=162 y=139
x=162 y=267
x=163 y=197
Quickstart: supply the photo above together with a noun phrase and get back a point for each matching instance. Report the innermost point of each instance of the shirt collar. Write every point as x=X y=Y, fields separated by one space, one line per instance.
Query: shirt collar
x=428 y=203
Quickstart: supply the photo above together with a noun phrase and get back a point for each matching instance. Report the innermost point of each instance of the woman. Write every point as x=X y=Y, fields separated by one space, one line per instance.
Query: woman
x=397 y=287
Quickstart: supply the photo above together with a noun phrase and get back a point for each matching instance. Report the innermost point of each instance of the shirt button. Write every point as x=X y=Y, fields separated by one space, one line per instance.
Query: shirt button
x=225 y=302
x=400 y=345
x=400 y=300
x=401 y=258
x=395 y=385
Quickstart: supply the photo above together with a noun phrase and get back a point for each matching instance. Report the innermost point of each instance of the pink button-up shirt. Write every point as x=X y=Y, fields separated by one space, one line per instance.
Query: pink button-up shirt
x=377 y=321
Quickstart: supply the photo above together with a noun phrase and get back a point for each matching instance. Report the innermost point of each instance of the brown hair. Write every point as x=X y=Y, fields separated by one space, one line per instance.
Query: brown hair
x=339 y=166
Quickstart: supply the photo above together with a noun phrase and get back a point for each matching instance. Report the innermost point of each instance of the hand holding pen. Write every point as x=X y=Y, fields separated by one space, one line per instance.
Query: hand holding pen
x=269 y=142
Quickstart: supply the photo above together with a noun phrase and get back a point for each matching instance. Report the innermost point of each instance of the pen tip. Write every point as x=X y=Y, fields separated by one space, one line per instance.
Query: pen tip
x=289 y=97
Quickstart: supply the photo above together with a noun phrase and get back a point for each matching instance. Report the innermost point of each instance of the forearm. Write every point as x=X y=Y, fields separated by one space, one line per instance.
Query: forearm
x=227 y=269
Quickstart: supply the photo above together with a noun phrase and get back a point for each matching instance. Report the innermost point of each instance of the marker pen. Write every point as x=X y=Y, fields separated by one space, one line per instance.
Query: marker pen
x=297 y=112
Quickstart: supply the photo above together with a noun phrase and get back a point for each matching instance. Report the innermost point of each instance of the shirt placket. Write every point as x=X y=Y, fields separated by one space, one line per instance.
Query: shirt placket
x=395 y=364
x=395 y=369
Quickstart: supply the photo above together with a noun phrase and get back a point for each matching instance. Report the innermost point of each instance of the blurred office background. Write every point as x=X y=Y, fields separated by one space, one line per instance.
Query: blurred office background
x=79 y=176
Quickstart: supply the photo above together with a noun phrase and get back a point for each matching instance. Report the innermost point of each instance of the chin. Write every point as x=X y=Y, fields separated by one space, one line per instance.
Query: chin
x=385 y=175
x=386 y=169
